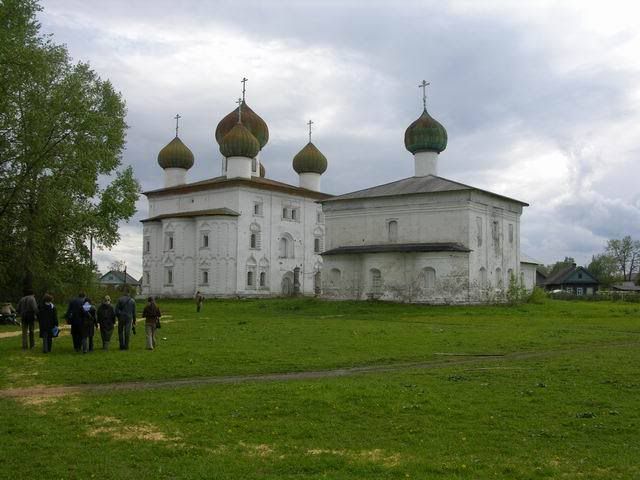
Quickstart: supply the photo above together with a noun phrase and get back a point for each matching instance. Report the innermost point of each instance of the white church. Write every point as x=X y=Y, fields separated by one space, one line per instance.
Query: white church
x=420 y=239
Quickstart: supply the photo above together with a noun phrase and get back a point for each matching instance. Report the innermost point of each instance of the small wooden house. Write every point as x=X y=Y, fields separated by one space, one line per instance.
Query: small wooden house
x=573 y=279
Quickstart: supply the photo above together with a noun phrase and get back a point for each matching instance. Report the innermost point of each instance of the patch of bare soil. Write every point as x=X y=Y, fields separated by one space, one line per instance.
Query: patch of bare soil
x=118 y=430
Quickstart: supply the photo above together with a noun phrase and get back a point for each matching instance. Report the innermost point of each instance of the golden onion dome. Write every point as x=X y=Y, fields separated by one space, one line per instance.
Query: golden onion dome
x=175 y=155
x=239 y=142
x=310 y=160
x=250 y=119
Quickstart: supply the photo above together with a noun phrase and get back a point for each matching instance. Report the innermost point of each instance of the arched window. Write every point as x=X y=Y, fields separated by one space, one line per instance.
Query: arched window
x=316 y=245
x=252 y=241
x=428 y=278
x=483 y=277
x=317 y=283
x=509 y=275
x=376 y=280
x=286 y=246
x=393 y=230
x=263 y=279
x=334 y=277
x=250 y=278
x=499 y=280
x=254 y=238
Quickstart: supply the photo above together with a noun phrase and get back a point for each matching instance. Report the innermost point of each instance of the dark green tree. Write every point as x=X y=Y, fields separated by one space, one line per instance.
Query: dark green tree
x=605 y=268
x=554 y=268
x=626 y=253
x=62 y=133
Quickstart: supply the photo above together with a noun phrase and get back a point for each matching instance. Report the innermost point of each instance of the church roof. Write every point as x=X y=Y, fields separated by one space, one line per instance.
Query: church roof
x=224 y=182
x=398 y=247
x=524 y=258
x=195 y=213
x=415 y=185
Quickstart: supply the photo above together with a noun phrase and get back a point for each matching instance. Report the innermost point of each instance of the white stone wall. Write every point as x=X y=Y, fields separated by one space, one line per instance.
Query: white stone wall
x=488 y=225
x=528 y=275
x=430 y=277
x=229 y=255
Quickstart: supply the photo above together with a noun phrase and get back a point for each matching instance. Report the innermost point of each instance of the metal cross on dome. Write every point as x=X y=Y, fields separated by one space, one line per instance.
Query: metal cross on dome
x=310 y=122
x=424 y=86
x=244 y=86
x=239 y=102
x=177 y=117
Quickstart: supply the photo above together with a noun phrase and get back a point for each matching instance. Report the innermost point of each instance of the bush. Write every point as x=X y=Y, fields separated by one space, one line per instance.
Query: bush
x=537 y=296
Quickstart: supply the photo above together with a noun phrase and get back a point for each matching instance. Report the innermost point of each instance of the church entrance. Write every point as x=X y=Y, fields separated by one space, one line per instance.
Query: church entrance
x=287 y=284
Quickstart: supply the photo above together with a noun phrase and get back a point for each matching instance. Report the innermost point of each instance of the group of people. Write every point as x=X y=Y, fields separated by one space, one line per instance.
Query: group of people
x=84 y=318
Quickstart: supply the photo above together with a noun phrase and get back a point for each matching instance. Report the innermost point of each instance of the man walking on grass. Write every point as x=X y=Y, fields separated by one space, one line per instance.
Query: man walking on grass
x=28 y=311
x=151 y=314
x=126 y=314
x=199 y=300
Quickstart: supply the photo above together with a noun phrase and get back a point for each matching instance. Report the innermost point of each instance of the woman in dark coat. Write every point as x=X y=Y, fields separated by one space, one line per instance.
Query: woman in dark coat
x=48 y=319
x=88 y=325
x=106 y=320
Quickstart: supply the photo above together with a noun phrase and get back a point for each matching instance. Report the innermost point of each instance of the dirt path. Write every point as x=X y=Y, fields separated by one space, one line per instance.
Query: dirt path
x=451 y=360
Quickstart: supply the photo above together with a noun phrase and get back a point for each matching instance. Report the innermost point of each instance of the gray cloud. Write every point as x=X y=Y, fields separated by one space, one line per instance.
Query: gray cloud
x=537 y=104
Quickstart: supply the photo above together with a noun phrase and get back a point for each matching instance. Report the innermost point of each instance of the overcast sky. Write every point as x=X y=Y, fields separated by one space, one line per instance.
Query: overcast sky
x=541 y=102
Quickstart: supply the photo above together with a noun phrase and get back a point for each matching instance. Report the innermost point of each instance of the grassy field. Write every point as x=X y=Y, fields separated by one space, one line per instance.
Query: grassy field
x=563 y=401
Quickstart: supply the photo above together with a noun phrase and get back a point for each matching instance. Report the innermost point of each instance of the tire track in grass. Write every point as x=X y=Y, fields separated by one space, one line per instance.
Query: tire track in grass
x=451 y=359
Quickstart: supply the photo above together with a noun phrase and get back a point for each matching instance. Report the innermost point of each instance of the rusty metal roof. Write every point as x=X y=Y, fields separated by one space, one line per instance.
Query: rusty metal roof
x=227 y=212
x=412 y=186
x=223 y=182
x=398 y=247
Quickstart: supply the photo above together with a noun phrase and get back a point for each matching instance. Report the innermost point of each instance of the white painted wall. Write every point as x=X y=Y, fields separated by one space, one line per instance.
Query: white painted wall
x=239 y=167
x=229 y=255
x=174 y=176
x=426 y=163
x=464 y=217
x=528 y=275
x=310 y=181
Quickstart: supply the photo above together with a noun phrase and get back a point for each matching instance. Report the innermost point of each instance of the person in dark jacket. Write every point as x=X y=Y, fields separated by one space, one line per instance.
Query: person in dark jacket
x=126 y=315
x=88 y=325
x=74 y=318
x=106 y=320
x=151 y=314
x=28 y=311
x=47 y=319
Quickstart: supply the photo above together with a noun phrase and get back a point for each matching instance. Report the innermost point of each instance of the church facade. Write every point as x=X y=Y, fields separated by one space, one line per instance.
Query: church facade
x=424 y=238
x=237 y=234
x=420 y=239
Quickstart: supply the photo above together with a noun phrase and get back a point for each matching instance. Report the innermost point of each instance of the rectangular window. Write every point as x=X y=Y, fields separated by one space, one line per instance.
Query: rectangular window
x=257 y=209
x=511 y=233
x=579 y=291
x=479 y=230
x=205 y=240
x=294 y=214
x=285 y=213
x=169 y=241
x=147 y=245
x=205 y=277
x=316 y=245
x=495 y=233
x=169 y=276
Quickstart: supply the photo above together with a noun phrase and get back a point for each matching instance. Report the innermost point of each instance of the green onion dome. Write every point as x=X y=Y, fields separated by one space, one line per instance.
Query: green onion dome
x=250 y=119
x=263 y=172
x=425 y=135
x=175 y=155
x=239 y=142
x=310 y=160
